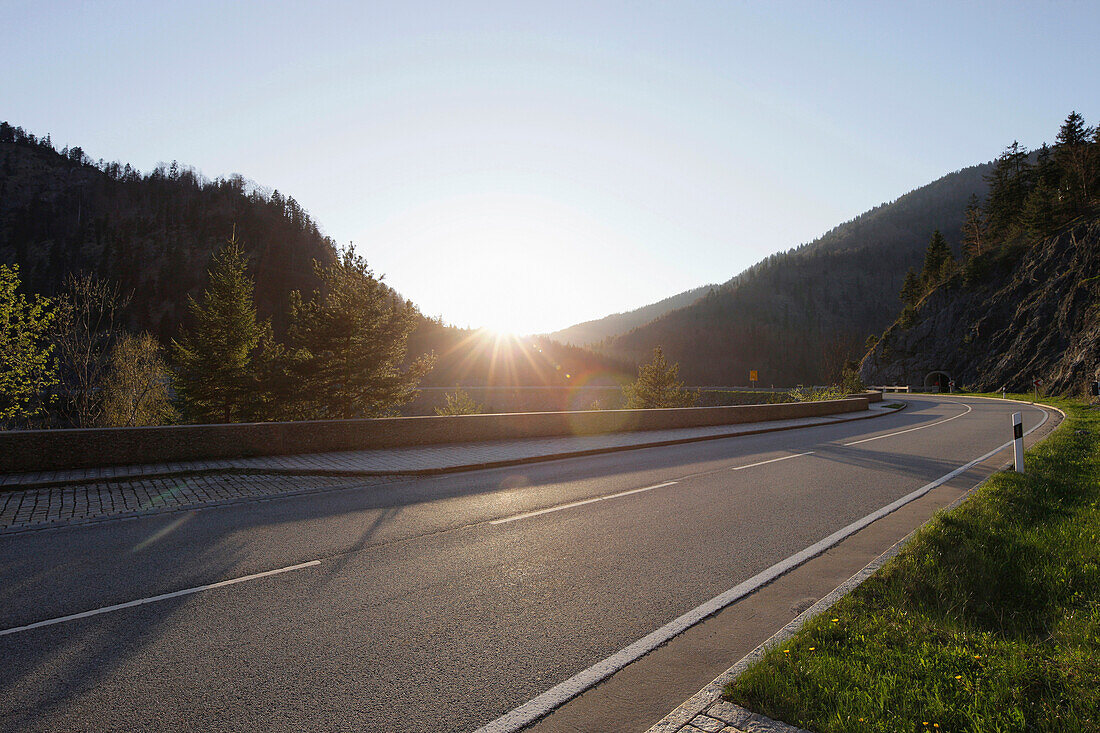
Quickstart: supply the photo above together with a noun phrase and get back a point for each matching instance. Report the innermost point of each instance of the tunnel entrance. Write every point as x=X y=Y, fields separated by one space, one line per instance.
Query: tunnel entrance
x=937 y=381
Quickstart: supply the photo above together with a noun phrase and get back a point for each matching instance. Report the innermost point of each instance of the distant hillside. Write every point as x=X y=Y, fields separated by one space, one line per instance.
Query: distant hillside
x=798 y=316
x=484 y=359
x=154 y=233
x=601 y=329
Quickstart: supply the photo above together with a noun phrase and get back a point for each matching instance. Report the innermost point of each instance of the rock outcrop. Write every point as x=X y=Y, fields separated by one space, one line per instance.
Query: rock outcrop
x=1006 y=320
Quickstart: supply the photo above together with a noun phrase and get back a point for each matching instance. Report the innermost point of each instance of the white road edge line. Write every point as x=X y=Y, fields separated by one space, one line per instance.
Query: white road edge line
x=921 y=427
x=154 y=599
x=771 y=460
x=578 y=683
x=579 y=503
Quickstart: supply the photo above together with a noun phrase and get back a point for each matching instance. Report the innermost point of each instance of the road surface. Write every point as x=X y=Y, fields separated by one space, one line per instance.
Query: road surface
x=437 y=604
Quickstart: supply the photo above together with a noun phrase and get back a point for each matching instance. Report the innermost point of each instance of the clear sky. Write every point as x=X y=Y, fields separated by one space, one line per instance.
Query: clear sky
x=528 y=165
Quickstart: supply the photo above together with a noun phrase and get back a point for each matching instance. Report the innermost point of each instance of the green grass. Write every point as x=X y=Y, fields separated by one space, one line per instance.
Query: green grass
x=988 y=620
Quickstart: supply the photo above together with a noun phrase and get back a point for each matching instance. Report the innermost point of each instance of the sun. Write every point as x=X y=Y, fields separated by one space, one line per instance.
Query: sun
x=514 y=264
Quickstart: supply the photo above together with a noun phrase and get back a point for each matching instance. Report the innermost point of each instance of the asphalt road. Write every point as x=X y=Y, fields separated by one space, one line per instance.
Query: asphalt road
x=424 y=611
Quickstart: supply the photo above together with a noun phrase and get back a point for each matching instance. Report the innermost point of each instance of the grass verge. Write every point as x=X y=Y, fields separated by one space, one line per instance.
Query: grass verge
x=988 y=620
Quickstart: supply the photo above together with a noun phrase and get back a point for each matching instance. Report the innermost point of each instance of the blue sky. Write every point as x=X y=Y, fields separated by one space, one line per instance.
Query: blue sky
x=525 y=166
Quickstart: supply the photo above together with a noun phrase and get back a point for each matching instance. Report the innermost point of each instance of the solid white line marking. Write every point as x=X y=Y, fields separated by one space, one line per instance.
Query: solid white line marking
x=772 y=460
x=580 y=503
x=922 y=427
x=578 y=683
x=154 y=599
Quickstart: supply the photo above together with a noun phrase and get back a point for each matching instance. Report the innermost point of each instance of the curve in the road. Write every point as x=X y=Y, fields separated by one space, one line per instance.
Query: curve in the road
x=531 y=711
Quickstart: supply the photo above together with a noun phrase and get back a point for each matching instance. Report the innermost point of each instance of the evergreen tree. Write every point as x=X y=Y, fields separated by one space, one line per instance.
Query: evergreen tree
x=938 y=261
x=350 y=341
x=1009 y=184
x=911 y=289
x=216 y=374
x=658 y=385
x=1074 y=156
x=276 y=384
x=1039 y=212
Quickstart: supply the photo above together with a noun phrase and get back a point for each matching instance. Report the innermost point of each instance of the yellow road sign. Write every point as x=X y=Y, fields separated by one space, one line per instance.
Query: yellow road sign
x=752 y=375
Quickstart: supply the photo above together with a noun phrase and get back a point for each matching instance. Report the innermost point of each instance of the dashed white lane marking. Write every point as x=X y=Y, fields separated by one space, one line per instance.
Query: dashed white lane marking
x=580 y=503
x=921 y=427
x=771 y=460
x=155 y=599
x=563 y=692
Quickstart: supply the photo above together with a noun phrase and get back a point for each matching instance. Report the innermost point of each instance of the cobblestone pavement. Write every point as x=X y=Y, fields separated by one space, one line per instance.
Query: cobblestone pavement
x=724 y=717
x=34 y=508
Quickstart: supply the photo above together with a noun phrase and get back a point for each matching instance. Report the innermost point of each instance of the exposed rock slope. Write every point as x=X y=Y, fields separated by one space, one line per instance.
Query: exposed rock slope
x=1032 y=314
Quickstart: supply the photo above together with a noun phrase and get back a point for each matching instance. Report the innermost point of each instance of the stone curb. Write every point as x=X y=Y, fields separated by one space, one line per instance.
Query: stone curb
x=225 y=466
x=707 y=704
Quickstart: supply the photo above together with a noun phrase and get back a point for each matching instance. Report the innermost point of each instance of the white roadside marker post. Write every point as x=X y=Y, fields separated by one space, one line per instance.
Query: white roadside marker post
x=1018 y=440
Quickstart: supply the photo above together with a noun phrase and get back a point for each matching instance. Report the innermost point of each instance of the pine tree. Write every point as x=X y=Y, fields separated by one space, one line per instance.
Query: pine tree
x=1039 y=212
x=658 y=385
x=350 y=339
x=938 y=261
x=216 y=375
x=1074 y=156
x=911 y=289
x=1009 y=184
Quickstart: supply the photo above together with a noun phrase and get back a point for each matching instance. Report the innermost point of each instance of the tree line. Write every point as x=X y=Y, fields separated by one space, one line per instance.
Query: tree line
x=1032 y=194
x=152 y=234
x=66 y=360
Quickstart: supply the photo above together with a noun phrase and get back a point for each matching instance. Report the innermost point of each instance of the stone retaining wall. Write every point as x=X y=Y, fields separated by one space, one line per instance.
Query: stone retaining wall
x=38 y=450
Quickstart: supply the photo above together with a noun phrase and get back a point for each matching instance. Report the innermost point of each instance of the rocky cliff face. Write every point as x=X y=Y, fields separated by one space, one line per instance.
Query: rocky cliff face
x=1018 y=316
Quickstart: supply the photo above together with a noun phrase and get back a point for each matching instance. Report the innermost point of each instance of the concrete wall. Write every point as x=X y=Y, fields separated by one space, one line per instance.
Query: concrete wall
x=43 y=450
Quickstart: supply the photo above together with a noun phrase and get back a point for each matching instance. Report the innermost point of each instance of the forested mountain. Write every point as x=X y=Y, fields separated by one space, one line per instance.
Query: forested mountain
x=153 y=234
x=608 y=327
x=798 y=316
x=1020 y=304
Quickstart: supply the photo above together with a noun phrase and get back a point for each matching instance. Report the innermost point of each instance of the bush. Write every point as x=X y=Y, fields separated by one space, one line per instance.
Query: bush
x=809 y=394
x=458 y=403
x=658 y=385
